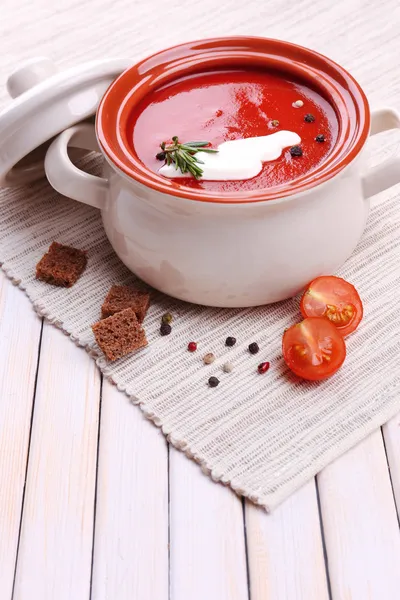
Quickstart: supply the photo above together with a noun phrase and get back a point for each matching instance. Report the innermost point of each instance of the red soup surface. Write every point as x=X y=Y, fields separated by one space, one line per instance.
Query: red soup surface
x=234 y=104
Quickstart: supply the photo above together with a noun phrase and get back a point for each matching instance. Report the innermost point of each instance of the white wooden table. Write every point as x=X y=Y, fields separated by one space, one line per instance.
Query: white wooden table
x=93 y=502
x=95 y=505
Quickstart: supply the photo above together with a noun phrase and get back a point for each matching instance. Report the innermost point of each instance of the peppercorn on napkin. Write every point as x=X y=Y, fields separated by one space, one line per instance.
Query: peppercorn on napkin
x=264 y=435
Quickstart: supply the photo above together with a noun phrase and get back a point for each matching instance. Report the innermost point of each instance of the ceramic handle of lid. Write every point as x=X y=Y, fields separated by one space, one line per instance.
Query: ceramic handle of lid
x=385 y=175
x=65 y=177
x=29 y=74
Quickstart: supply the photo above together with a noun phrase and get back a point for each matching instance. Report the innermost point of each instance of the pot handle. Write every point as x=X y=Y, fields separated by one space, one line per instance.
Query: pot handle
x=65 y=177
x=70 y=181
x=385 y=175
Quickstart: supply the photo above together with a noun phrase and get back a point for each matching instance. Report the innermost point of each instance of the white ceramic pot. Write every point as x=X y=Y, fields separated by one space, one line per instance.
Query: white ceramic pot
x=248 y=252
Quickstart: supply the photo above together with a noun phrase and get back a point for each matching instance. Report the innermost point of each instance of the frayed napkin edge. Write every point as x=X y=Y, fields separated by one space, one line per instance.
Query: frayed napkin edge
x=268 y=502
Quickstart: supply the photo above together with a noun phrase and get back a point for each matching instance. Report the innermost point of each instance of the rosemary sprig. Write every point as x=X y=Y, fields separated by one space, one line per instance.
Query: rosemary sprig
x=182 y=156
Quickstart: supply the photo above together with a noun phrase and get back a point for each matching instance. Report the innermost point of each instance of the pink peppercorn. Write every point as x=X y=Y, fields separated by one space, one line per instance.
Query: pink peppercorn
x=192 y=346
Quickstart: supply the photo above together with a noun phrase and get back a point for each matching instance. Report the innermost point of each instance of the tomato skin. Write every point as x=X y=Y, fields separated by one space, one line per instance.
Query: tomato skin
x=335 y=299
x=313 y=349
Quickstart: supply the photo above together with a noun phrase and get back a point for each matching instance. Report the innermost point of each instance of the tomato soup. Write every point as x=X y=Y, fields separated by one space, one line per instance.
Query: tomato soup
x=235 y=104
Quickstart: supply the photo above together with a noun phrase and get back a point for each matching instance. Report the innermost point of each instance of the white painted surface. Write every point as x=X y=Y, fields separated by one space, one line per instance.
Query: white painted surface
x=360 y=524
x=55 y=552
x=286 y=560
x=207 y=544
x=18 y=360
x=391 y=435
x=131 y=538
x=359 y=519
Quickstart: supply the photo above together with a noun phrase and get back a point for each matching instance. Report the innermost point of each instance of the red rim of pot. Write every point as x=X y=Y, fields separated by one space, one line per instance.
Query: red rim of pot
x=319 y=72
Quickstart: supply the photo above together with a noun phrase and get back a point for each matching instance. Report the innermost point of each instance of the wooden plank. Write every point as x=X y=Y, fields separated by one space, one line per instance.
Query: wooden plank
x=54 y=559
x=360 y=524
x=391 y=434
x=19 y=343
x=131 y=533
x=286 y=559
x=207 y=545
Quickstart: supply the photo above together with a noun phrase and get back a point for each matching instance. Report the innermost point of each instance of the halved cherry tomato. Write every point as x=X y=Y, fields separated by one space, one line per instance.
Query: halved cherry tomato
x=313 y=349
x=335 y=299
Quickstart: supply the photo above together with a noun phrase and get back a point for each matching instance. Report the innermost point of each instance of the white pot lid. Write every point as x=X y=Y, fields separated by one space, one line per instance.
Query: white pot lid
x=45 y=102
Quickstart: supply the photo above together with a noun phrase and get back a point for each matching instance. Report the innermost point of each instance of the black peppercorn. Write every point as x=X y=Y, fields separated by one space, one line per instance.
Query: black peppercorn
x=165 y=329
x=213 y=382
x=320 y=138
x=160 y=156
x=254 y=348
x=309 y=118
x=230 y=341
x=296 y=151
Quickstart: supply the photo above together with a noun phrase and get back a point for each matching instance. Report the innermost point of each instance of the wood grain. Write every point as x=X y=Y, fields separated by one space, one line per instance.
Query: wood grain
x=391 y=434
x=208 y=557
x=284 y=548
x=360 y=524
x=286 y=558
x=55 y=552
x=131 y=537
x=18 y=360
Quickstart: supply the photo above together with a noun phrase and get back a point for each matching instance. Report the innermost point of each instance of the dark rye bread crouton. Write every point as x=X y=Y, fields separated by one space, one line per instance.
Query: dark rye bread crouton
x=119 y=334
x=61 y=265
x=122 y=296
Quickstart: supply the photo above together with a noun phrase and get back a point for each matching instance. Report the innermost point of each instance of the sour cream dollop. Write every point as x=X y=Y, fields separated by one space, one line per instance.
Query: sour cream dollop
x=239 y=159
